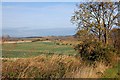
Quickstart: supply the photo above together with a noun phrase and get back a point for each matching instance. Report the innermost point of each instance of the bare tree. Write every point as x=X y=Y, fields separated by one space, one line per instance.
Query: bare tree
x=96 y=17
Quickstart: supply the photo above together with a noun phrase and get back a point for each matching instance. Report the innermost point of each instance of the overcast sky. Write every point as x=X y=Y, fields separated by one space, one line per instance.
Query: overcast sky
x=37 y=18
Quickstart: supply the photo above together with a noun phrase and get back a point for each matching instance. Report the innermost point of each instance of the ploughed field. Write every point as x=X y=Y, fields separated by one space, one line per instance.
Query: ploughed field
x=31 y=49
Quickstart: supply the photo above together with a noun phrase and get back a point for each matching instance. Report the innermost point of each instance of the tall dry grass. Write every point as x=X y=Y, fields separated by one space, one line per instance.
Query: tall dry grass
x=52 y=66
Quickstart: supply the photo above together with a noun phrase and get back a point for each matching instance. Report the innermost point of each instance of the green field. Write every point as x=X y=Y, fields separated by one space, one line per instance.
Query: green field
x=24 y=50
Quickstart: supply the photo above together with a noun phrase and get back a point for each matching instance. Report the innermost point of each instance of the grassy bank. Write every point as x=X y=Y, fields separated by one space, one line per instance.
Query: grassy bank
x=52 y=66
x=113 y=72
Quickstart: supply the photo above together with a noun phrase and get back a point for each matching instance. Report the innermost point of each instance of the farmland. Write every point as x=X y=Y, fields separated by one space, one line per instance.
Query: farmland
x=30 y=49
x=40 y=57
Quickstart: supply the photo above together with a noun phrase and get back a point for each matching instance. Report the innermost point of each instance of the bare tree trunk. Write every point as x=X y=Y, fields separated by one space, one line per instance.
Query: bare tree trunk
x=99 y=36
x=106 y=36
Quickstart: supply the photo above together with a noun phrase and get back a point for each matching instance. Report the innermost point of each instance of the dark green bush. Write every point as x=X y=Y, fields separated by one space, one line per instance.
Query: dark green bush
x=57 y=43
x=36 y=40
x=95 y=51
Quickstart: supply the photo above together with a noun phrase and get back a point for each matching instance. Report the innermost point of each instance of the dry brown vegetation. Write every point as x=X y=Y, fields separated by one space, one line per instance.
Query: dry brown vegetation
x=54 y=66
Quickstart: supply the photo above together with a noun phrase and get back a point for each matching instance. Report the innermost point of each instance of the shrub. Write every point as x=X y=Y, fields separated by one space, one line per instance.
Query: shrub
x=92 y=51
x=36 y=40
x=57 y=43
